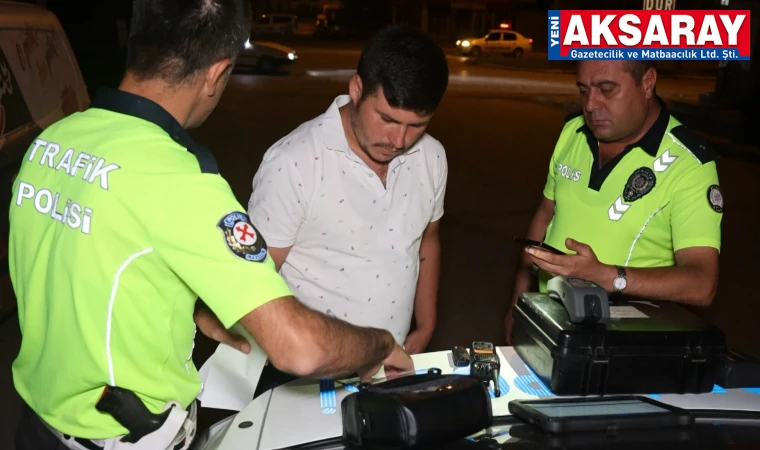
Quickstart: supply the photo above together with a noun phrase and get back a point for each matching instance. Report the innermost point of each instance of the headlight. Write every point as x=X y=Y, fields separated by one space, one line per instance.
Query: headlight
x=459 y=42
x=291 y=56
x=465 y=43
x=248 y=44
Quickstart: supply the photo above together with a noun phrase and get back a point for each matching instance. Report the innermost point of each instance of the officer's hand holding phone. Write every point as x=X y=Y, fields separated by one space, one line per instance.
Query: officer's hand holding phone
x=583 y=264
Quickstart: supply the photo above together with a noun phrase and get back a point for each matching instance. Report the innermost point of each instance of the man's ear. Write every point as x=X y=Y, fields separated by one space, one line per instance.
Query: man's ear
x=649 y=81
x=216 y=76
x=355 y=88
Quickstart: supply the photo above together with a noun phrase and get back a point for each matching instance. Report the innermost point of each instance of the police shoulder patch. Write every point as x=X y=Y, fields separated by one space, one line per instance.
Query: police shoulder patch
x=242 y=238
x=715 y=198
x=697 y=145
x=640 y=183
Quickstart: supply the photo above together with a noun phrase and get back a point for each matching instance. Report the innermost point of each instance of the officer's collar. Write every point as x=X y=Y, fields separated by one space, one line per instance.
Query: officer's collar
x=134 y=105
x=651 y=140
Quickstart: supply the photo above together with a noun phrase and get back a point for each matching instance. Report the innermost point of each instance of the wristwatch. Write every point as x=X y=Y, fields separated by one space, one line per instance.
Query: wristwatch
x=620 y=281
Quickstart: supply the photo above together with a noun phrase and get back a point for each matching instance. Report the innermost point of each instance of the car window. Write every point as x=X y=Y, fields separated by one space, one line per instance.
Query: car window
x=510 y=37
x=282 y=19
x=494 y=36
x=263 y=21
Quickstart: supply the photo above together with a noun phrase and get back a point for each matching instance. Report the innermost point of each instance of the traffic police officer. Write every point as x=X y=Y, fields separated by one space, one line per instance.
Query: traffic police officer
x=119 y=222
x=632 y=195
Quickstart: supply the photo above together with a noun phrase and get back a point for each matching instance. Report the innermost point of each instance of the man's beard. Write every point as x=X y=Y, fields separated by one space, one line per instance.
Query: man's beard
x=365 y=148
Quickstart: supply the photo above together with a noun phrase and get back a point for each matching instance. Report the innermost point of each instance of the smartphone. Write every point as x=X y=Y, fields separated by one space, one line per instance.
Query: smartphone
x=588 y=414
x=460 y=356
x=531 y=243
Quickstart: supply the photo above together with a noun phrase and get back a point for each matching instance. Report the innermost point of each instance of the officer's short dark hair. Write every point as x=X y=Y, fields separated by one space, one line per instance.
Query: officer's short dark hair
x=174 y=39
x=637 y=68
x=409 y=66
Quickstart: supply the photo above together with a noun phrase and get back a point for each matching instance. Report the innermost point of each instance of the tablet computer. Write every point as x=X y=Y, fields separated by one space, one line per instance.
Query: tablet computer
x=608 y=414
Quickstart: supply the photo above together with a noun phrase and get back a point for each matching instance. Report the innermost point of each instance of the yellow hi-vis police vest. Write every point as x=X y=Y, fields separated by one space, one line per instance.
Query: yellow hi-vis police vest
x=659 y=196
x=119 y=222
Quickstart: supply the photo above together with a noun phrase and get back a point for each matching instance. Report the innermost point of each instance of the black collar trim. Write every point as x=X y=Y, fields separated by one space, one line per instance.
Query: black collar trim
x=651 y=140
x=134 y=105
x=650 y=143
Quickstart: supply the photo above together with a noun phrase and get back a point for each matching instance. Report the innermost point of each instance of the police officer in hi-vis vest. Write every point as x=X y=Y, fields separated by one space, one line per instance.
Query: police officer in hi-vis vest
x=120 y=222
x=632 y=196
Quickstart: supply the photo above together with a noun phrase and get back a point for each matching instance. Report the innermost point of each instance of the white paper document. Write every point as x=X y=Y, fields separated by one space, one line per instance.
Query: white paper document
x=626 y=312
x=230 y=377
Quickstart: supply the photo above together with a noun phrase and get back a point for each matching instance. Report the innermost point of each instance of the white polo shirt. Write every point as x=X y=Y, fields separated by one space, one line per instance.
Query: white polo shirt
x=355 y=243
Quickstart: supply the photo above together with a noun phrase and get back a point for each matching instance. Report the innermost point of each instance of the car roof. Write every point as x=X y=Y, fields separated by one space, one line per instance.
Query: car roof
x=22 y=15
x=505 y=30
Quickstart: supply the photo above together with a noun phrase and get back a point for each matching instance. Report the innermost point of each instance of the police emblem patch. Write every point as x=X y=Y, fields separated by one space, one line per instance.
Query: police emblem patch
x=639 y=184
x=715 y=197
x=242 y=238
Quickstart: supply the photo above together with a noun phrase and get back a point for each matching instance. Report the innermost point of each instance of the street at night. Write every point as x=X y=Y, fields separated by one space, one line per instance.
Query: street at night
x=499 y=127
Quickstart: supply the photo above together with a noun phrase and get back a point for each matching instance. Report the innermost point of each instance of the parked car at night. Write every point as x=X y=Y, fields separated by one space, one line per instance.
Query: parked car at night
x=265 y=57
x=506 y=42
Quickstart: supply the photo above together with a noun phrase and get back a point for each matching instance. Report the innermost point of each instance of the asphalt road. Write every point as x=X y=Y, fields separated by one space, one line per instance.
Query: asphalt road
x=499 y=127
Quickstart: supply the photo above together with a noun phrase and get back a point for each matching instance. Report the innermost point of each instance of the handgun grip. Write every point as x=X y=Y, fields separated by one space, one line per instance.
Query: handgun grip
x=131 y=413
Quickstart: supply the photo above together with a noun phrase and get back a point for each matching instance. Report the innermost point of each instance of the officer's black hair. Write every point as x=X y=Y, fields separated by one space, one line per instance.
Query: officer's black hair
x=174 y=39
x=638 y=68
x=408 y=65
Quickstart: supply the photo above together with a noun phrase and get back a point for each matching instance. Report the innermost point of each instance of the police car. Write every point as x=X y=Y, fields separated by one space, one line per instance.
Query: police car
x=40 y=83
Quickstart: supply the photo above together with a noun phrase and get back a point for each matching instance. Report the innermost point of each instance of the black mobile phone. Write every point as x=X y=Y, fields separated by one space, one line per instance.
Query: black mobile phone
x=599 y=414
x=531 y=243
x=460 y=356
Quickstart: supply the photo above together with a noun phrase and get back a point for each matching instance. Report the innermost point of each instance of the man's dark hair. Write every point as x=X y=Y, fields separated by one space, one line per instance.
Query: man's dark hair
x=409 y=67
x=174 y=39
x=638 y=68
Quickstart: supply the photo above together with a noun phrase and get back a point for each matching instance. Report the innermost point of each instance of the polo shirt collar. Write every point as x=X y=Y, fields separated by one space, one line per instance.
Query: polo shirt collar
x=651 y=140
x=335 y=136
x=123 y=102
x=332 y=126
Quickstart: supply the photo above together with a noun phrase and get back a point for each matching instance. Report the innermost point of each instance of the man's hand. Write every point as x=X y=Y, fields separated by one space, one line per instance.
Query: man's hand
x=397 y=363
x=584 y=264
x=210 y=326
x=417 y=341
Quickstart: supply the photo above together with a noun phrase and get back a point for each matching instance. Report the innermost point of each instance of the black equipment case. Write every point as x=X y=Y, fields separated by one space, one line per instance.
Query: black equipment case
x=670 y=351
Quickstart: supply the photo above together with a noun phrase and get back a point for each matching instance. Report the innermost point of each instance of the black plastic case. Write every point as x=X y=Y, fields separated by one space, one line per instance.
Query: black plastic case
x=671 y=351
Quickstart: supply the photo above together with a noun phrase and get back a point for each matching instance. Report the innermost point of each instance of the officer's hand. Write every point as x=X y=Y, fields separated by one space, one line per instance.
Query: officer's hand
x=583 y=264
x=210 y=326
x=396 y=364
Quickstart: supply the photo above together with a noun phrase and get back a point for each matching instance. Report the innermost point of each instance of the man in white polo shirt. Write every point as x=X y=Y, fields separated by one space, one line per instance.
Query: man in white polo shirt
x=349 y=202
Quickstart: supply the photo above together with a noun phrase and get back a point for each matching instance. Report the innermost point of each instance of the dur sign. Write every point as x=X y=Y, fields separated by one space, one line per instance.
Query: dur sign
x=659 y=4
